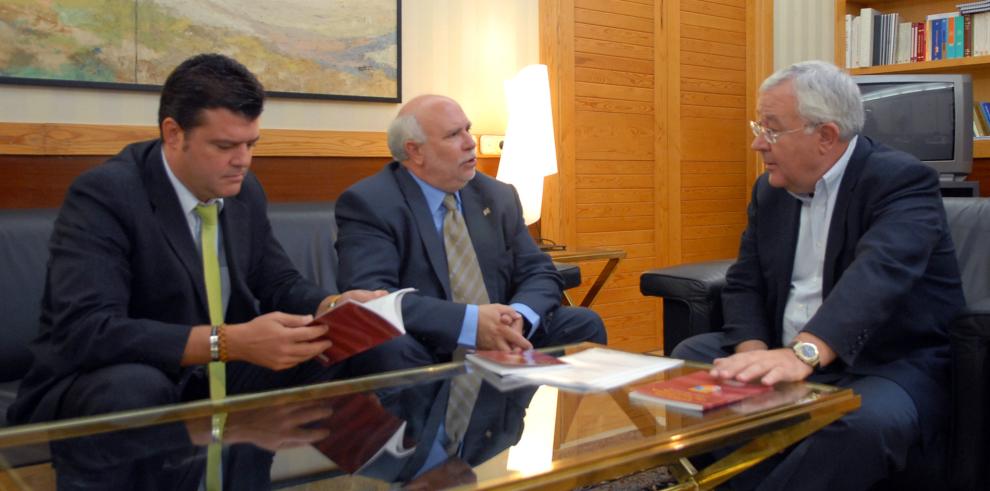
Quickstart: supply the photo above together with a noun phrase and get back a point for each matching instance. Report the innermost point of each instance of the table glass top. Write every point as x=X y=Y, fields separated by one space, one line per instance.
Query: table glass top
x=383 y=431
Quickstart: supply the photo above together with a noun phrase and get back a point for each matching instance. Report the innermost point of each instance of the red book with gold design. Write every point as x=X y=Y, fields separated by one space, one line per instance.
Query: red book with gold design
x=355 y=327
x=697 y=391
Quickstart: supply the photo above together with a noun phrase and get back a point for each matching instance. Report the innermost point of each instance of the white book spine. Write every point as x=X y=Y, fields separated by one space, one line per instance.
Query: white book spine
x=866 y=36
x=904 y=42
x=849 y=20
x=855 y=42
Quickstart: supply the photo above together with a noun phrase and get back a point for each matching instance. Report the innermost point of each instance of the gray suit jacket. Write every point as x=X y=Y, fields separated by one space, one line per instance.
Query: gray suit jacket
x=125 y=282
x=387 y=240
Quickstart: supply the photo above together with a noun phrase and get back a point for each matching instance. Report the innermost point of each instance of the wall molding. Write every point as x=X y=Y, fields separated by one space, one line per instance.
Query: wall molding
x=102 y=139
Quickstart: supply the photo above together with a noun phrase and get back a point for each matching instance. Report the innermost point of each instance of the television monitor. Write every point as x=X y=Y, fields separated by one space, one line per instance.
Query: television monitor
x=928 y=116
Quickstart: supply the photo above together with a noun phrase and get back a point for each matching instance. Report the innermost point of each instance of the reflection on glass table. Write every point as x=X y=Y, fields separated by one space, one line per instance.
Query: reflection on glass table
x=401 y=430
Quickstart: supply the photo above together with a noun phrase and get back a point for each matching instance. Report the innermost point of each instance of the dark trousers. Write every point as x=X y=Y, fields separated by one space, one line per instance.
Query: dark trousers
x=853 y=453
x=568 y=325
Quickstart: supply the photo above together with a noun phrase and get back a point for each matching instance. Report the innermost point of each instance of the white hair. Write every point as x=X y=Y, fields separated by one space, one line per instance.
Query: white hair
x=402 y=129
x=825 y=94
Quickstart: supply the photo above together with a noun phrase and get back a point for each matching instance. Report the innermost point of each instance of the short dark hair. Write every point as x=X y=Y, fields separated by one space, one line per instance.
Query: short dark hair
x=209 y=81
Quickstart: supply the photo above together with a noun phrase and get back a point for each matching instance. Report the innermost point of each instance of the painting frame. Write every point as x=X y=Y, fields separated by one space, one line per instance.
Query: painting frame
x=156 y=87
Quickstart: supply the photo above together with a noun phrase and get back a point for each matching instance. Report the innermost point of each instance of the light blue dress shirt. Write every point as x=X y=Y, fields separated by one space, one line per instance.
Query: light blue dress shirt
x=469 y=326
x=188 y=203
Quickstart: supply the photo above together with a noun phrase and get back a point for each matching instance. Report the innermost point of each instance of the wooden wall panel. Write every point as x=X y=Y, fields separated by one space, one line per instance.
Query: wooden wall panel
x=614 y=130
x=714 y=141
x=40 y=181
x=652 y=99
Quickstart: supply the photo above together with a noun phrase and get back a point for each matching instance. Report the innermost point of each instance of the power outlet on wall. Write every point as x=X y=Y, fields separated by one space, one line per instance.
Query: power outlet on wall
x=491 y=144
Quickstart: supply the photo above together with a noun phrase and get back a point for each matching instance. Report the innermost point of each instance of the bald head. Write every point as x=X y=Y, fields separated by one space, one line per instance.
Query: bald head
x=430 y=137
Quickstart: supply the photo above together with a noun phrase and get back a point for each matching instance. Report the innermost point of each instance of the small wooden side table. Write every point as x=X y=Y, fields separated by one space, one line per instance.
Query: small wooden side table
x=612 y=255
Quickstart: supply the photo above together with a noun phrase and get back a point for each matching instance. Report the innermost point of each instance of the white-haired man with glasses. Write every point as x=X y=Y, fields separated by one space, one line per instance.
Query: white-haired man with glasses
x=846 y=275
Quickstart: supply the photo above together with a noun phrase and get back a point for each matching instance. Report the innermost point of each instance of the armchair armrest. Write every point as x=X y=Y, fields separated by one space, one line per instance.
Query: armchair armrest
x=691 y=294
x=969 y=337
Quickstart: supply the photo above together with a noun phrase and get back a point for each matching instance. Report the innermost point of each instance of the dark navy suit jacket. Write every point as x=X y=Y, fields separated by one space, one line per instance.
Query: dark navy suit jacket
x=125 y=281
x=387 y=240
x=891 y=282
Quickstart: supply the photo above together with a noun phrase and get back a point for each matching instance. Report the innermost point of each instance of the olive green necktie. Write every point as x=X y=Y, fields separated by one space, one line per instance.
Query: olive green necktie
x=217 y=370
x=467 y=286
x=466 y=283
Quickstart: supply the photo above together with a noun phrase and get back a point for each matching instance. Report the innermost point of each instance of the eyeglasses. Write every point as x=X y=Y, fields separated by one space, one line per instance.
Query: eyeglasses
x=770 y=135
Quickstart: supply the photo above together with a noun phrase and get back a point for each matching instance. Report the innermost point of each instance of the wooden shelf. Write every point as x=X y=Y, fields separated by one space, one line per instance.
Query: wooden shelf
x=936 y=66
x=981 y=149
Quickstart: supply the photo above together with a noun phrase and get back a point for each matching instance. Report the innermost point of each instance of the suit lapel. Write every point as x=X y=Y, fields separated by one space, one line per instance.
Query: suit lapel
x=481 y=226
x=837 y=226
x=234 y=222
x=167 y=211
x=424 y=224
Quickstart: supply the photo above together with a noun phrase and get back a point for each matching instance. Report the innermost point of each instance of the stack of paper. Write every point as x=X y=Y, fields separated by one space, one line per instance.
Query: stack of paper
x=597 y=369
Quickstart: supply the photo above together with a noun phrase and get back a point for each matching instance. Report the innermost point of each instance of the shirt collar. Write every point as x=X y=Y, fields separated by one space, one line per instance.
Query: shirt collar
x=829 y=183
x=434 y=196
x=187 y=200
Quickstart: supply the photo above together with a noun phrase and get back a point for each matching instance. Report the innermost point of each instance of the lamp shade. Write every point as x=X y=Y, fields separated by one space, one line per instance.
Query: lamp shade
x=529 y=152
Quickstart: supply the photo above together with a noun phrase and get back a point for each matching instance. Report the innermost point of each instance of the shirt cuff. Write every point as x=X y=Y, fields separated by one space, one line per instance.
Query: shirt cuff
x=469 y=327
x=530 y=315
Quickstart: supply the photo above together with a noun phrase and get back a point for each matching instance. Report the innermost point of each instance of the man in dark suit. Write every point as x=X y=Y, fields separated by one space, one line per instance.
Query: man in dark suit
x=391 y=235
x=846 y=275
x=126 y=320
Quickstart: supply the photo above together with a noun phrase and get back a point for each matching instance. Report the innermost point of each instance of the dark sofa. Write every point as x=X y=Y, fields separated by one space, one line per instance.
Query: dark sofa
x=692 y=305
x=306 y=230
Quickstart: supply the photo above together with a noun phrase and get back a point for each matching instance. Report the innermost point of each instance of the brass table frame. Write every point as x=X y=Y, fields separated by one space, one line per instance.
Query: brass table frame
x=759 y=435
x=612 y=255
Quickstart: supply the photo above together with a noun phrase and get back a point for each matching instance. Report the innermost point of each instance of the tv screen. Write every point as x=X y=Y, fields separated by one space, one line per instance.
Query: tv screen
x=928 y=116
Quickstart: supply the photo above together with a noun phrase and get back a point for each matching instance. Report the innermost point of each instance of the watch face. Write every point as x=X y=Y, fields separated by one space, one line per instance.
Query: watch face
x=807 y=350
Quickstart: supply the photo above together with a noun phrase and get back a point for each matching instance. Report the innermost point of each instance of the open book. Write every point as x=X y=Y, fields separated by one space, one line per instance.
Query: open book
x=356 y=326
x=697 y=391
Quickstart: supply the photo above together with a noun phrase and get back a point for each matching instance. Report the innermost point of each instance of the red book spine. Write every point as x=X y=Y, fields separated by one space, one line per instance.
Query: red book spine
x=921 y=42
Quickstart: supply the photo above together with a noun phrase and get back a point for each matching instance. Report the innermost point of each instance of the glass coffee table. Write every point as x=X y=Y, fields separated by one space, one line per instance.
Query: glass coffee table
x=387 y=431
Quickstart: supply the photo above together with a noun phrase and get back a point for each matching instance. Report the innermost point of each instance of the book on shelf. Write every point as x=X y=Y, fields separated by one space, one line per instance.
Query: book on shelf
x=697 y=391
x=974 y=7
x=508 y=362
x=981 y=126
x=355 y=326
x=876 y=38
x=867 y=29
x=598 y=369
x=904 y=43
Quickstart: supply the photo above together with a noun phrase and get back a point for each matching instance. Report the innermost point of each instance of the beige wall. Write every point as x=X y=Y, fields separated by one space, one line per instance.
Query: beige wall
x=462 y=48
x=802 y=30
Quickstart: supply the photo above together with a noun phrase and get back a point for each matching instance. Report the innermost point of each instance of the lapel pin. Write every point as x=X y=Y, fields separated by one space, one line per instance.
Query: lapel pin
x=486 y=211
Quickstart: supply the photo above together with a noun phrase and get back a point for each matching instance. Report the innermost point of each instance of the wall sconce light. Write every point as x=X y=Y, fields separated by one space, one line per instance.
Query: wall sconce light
x=529 y=152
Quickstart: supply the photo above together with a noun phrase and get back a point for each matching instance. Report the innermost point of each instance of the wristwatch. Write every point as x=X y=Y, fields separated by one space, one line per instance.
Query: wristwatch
x=214 y=344
x=808 y=353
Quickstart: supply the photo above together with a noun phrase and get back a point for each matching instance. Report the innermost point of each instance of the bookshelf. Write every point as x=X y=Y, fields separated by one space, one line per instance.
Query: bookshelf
x=978 y=67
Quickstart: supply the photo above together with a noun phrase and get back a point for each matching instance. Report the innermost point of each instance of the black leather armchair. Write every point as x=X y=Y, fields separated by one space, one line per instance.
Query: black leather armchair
x=692 y=305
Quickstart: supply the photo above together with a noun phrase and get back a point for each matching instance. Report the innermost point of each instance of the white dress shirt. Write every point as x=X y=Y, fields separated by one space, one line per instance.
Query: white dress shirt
x=805 y=295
